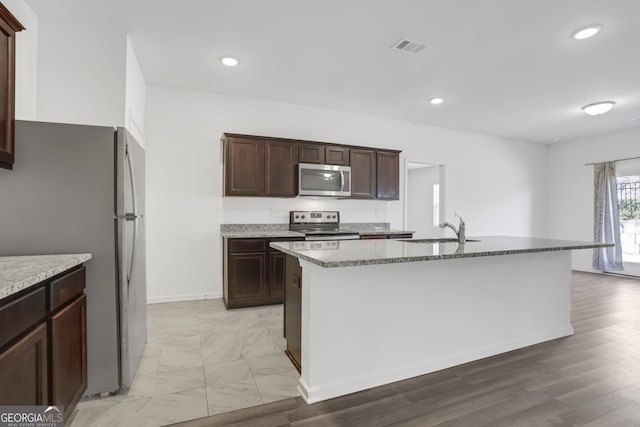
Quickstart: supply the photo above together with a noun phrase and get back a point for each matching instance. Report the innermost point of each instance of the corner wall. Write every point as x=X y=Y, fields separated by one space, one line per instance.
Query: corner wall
x=26 y=59
x=498 y=185
x=81 y=72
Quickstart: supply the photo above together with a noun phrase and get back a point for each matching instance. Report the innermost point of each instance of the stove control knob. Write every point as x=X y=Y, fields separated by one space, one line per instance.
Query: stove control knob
x=302 y=216
x=297 y=216
x=334 y=217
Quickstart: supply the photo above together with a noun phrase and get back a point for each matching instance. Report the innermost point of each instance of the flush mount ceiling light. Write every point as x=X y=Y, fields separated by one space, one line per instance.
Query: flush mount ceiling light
x=436 y=101
x=586 y=31
x=229 y=61
x=598 y=108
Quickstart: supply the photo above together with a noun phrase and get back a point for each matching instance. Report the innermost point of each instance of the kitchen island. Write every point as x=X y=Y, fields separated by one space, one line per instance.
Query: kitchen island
x=378 y=311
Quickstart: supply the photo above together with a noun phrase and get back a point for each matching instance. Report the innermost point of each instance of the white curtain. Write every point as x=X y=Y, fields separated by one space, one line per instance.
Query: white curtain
x=606 y=228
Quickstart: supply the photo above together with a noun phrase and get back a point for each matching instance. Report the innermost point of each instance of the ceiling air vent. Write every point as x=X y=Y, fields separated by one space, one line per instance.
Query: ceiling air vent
x=410 y=46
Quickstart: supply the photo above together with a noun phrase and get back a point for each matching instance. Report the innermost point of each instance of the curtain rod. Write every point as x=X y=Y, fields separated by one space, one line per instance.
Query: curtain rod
x=616 y=160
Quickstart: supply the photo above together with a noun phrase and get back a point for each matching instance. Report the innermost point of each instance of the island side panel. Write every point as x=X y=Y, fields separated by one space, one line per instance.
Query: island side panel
x=371 y=325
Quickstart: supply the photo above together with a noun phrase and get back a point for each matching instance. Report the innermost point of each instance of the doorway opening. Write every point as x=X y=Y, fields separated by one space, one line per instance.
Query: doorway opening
x=424 y=198
x=628 y=186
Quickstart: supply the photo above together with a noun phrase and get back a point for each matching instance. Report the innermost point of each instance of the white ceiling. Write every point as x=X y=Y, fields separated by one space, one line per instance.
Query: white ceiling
x=505 y=67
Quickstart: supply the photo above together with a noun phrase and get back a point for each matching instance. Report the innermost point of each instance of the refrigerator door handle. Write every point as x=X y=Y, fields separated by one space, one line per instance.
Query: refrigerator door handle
x=133 y=253
x=132 y=216
x=132 y=180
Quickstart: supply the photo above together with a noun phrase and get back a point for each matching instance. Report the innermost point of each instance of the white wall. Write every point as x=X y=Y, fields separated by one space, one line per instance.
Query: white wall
x=26 y=59
x=571 y=185
x=81 y=72
x=498 y=185
x=135 y=96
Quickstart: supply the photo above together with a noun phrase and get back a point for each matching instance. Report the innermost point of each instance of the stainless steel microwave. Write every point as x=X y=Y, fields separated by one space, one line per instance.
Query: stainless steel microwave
x=324 y=180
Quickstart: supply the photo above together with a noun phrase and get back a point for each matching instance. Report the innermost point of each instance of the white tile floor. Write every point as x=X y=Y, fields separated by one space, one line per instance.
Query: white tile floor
x=200 y=360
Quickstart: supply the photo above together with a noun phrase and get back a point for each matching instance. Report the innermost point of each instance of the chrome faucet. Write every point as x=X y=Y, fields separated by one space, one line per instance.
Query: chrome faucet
x=460 y=232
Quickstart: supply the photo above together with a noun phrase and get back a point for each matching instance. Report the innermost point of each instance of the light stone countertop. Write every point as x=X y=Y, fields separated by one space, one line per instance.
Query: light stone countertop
x=20 y=272
x=257 y=234
x=350 y=253
x=257 y=231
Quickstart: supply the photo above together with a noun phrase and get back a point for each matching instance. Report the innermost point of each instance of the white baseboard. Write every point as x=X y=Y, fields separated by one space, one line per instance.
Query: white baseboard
x=177 y=298
x=586 y=270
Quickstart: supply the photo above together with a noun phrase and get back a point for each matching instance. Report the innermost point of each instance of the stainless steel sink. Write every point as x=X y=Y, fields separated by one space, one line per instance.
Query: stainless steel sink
x=436 y=240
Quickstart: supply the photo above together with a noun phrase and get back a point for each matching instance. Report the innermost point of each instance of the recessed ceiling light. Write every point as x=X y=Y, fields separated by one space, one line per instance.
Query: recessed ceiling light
x=436 y=101
x=586 y=31
x=229 y=61
x=598 y=108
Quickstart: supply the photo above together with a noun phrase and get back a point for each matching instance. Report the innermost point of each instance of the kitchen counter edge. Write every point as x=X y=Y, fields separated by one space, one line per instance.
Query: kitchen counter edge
x=569 y=245
x=21 y=272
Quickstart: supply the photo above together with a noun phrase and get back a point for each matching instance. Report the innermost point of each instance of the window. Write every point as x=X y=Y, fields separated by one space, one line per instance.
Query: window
x=629 y=206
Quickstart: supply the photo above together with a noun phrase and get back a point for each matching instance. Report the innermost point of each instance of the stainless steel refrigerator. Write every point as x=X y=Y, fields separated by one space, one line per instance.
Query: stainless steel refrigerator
x=77 y=188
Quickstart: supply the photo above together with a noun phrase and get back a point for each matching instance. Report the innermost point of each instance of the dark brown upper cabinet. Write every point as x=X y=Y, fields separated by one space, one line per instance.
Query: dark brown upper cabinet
x=388 y=175
x=363 y=174
x=336 y=155
x=259 y=166
x=280 y=167
x=9 y=25
x=244 y=167
x=311 y=153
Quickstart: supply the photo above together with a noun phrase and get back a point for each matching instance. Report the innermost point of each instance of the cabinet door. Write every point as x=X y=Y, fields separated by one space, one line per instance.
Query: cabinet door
x=311 y=153
x=276 y=274
x=244 y=167
x=68 y=330
x=363 y=174
x=23 y=370
x=293 y=310
x=336 y=155
x=8 y=27
x=388 y=172
x=247 y=277
x=280 y=161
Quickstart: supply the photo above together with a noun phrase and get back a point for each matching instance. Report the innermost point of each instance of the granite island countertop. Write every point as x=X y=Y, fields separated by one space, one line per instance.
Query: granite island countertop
x=349 y=253
x=20 y=272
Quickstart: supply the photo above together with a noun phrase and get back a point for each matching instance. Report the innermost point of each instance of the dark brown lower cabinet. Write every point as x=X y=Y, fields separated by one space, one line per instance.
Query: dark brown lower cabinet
x=68 y=329
x=253 y=273
x=23 y=370
x=293 y=310
x=43 y=347
x=276 y=273
x=247 y=279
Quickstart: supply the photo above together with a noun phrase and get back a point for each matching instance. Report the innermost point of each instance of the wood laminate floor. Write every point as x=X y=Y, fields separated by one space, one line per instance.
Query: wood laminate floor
x=589 y=379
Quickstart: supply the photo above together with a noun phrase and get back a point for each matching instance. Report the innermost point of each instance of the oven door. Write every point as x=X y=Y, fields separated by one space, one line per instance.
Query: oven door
x=324 y=180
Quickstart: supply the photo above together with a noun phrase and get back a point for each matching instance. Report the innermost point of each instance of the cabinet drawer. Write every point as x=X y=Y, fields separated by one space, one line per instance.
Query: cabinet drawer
x=19 y=315
x=66 y=288
x=247 y=245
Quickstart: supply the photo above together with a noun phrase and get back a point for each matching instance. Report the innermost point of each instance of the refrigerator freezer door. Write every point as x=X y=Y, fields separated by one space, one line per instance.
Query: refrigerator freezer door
x=130 y=237
x=60 y=199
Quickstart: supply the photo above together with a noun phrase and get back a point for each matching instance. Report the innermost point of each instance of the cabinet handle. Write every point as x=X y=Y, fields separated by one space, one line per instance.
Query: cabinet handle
x=297 y=282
